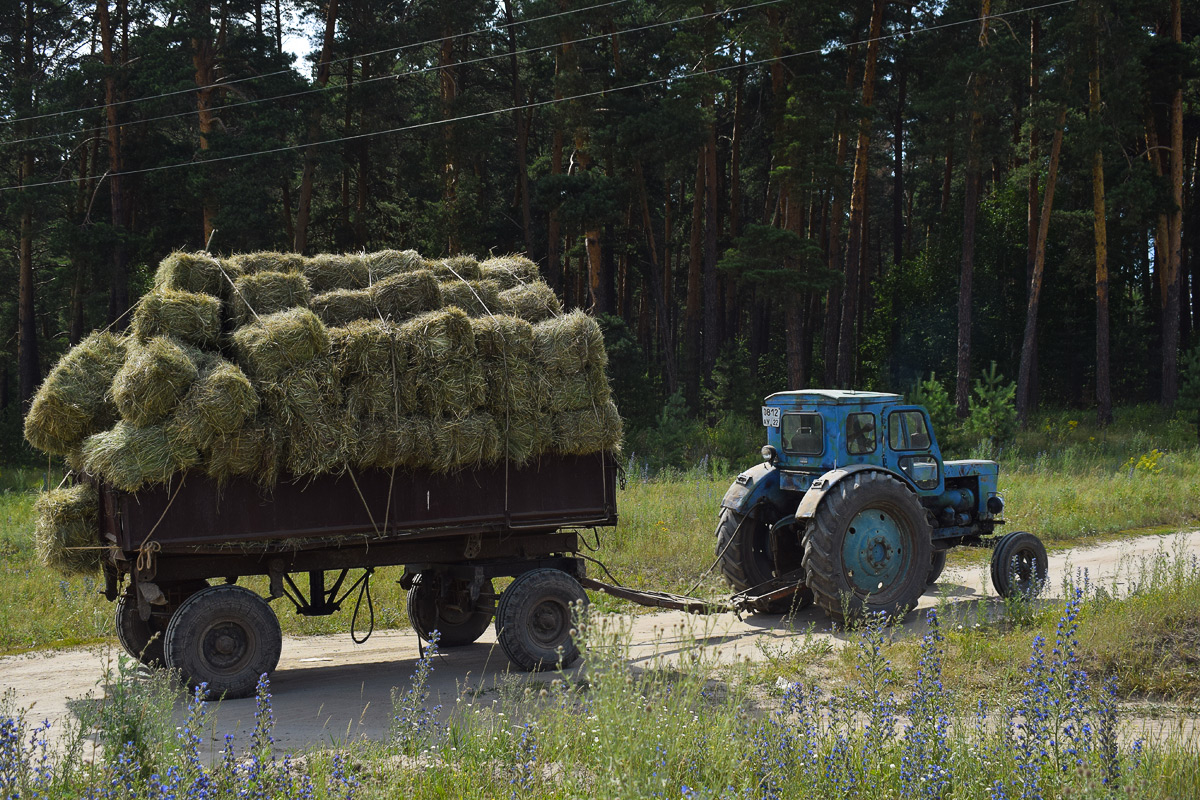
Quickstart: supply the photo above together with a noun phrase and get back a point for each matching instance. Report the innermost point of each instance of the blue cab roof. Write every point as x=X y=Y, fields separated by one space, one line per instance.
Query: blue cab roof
x=839 y=397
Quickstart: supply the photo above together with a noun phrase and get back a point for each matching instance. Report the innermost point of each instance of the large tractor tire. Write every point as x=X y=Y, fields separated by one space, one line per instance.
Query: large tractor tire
x=867 y=550
x=747 y=559
x=936 y=567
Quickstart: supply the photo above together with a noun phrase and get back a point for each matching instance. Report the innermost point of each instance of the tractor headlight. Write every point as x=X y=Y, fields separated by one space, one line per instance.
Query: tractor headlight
x=768 y=454
x=995 y=505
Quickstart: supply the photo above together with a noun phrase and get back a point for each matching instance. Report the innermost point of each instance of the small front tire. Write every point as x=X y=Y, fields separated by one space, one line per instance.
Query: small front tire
x=1019 y=565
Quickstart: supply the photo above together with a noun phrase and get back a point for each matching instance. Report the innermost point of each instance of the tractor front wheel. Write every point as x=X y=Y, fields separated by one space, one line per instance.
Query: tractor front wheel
x=1019 y=565
x=868 y=548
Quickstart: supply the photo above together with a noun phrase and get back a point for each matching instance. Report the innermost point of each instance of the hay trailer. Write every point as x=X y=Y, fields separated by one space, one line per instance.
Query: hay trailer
x=179 y=555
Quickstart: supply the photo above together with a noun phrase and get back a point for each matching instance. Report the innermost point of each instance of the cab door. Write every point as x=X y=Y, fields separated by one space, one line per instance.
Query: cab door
x=910 y=440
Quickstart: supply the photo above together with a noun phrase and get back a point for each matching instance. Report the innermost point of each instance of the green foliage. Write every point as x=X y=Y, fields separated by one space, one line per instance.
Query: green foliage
x=993 y=415
x=1189 y=384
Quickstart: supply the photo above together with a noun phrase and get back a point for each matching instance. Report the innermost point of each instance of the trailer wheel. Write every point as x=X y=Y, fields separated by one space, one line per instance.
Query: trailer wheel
x=1019 y=565
x=226 y=637
x=457 y=625
x=534 y=619
x=936 y=567
x=143 y=639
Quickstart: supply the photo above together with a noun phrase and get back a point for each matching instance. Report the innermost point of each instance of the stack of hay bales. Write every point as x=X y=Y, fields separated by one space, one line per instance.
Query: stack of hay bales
x=270 y=364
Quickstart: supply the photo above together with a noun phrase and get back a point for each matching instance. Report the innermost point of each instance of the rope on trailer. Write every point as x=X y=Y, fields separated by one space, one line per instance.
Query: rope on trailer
x=147 y=550
x=365 y=590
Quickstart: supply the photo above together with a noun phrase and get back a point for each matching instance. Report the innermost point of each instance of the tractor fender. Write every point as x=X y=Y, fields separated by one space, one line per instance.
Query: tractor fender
x=822 y=486
x=758 y=482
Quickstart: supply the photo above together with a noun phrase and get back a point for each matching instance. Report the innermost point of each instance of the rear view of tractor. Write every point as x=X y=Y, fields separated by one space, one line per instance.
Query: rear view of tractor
x=853 y=508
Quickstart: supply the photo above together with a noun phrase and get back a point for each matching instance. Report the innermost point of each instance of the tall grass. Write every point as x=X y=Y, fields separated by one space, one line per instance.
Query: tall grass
x=678 y=731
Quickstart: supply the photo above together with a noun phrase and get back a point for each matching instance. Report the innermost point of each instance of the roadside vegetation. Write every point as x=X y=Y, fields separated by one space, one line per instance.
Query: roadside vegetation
x=896 y=724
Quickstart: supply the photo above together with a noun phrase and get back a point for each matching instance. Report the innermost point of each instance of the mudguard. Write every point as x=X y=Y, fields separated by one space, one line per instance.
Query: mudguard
x=822 y=485
x=761 y=480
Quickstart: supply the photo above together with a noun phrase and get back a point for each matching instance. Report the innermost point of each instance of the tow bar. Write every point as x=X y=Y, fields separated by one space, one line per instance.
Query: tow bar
x=756 y=598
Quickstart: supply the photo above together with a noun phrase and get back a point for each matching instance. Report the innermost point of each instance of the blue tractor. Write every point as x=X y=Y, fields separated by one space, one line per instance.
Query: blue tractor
x=853 y=508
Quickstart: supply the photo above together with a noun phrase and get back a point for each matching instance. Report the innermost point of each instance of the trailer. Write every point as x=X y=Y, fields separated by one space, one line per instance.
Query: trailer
x=177 y=553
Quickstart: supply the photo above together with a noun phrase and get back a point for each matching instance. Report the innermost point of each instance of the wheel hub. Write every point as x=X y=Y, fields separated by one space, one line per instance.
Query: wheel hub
x=548 y=622
x=225 y=646
x=874 y=552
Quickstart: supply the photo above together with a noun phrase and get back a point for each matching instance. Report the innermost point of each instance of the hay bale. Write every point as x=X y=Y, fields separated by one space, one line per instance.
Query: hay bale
x=192 y=272
x=130 y=456
x=306 y=404
x=341 y=306
x=590 y=430
x=280 y=342
x=477 y=298
x=190 y=317
x=260 y=294
x=372 y=361
x=571 y=362
x=460 y=268
x=506 y=358
x=386 y=263
x=218 y=404
x=153 y=378
x=67 y=533
x=406 y=294
x=525 y=436
x=254 y=449
x=252 y=263
x=510 y=271
x=532 y=302
x=74 y=402
x=462 y=442
x=442 y=366
x=327 y=272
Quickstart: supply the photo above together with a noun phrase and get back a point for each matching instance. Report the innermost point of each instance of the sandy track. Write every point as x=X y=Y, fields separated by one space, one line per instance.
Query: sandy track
x=328 y=689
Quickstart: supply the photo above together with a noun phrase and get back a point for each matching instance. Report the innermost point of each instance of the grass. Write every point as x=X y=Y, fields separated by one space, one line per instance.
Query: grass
x=700 y=730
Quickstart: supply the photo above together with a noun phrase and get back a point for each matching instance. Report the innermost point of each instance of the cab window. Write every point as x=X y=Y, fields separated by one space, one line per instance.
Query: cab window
x=802 y=434
x=860 y=434
x=907 y=431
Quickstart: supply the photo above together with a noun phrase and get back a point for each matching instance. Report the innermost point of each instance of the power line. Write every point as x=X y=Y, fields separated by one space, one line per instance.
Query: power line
x=397 y=76
x=542 y=103
x=222 y=84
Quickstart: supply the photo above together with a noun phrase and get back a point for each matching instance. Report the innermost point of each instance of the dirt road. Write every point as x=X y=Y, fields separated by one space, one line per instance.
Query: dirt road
x=328 y=689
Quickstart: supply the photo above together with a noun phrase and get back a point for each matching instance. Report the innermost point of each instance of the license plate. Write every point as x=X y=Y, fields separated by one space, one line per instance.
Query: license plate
x=770 y=416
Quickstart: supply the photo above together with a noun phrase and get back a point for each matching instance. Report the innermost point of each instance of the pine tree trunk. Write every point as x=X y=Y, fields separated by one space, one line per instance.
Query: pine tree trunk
x=974 y=177
x=655 y=283
x=1025 y=399
x=448 y=80
x=713 y=334
x=1170 y=347
x=858 y=211
x=204 y=63
x=694 y=311
x=833 y=298
x=1099 y=229
x=28 y=368
x=118 y=298
x=521 y=121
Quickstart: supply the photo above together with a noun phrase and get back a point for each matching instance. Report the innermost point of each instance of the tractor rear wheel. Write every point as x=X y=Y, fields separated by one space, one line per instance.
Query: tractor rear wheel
x=937 y=565
x=868 y=547
x=747 y=558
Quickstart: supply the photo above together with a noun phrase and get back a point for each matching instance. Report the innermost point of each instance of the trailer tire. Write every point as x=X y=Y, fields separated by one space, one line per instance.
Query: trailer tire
x=455 y=627
x=535 y=619
x=867 y=548
x=1019 y=565
x=226 y=637
x=143 y=639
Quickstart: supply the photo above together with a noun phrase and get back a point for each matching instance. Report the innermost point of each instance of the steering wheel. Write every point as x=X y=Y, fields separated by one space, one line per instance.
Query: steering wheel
x=859 y=437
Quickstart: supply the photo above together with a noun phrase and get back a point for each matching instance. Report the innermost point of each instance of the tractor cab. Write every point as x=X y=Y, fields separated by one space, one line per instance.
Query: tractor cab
x=811 y=432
